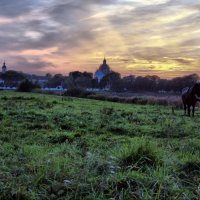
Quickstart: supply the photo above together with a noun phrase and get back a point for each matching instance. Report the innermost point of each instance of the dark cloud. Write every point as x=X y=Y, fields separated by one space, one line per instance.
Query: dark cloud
x=18 y=63
x=37 y=64
x=13 y=8
x=195 y=42
x=60 y=29
x=183 y=61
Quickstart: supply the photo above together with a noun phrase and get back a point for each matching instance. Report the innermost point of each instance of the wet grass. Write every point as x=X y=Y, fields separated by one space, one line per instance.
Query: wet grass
x=68 y=148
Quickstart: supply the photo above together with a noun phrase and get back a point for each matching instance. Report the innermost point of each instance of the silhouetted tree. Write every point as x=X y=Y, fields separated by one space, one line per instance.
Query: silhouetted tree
x=27 y=86
x=12 y=78
x=109 y=80
x=163 y=84
x=128 y=82
x=81 y=80
x=55 y=81
x=68 y=82
x=75 y=74
x=48 y=76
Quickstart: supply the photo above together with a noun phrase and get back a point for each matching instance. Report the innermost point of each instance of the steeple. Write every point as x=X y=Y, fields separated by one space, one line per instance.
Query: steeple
x=104 y=61
x=4 y=68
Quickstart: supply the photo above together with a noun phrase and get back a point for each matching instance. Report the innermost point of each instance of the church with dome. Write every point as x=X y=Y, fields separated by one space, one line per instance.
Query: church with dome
x=103 y=70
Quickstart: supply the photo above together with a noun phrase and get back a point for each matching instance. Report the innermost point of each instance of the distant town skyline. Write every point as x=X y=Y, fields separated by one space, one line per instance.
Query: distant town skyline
x=139 y=37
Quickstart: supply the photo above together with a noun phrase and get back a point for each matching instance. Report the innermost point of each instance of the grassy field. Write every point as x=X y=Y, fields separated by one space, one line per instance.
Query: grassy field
x=67 y=148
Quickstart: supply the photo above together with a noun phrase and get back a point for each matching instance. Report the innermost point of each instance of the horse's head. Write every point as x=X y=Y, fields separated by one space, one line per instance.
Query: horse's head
x=196 y=89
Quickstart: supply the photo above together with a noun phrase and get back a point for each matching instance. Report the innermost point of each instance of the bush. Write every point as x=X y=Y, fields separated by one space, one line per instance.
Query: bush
x=27 y=86
x=97 y=97
x=78 y=92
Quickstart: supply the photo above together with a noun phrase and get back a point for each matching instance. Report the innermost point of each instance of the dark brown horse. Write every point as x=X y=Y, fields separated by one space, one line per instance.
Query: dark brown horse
x=190 y=95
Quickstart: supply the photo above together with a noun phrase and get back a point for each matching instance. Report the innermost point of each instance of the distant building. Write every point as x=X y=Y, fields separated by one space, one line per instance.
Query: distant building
x=4 y=68
x=40 y=80
x=103 y=70
x=1 y=82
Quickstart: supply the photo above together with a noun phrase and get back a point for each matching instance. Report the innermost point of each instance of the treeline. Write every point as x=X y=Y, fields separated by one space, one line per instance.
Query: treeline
x=113 y=81
x=75 y=79
x=116 y=83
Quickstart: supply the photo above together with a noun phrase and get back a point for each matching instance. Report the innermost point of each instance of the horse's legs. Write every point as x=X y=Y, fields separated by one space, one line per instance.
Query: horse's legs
x=193 y=109
x=189 y=110
x=185 y=108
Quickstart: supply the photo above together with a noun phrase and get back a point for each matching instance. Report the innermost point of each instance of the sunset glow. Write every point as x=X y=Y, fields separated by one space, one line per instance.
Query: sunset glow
x=139 y=37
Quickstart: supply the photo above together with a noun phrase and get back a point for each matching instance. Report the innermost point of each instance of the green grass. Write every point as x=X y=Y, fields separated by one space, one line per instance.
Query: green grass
x=67 y=148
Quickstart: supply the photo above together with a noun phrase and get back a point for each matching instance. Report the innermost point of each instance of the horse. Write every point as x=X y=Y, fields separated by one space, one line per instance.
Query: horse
x=190 y=95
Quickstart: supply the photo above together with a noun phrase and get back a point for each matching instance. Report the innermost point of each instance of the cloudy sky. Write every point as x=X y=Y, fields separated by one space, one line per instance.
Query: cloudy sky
x=141 y=37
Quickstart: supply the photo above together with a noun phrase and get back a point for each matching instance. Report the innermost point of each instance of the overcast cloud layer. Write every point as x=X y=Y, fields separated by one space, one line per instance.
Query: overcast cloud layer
x=137 y=36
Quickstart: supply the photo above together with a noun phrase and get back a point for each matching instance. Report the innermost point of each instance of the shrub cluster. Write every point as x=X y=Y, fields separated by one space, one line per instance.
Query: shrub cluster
x=78 y=92
x=27 y=86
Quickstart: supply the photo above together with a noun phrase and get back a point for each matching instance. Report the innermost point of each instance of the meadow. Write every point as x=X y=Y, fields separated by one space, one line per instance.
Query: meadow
x=55 y=147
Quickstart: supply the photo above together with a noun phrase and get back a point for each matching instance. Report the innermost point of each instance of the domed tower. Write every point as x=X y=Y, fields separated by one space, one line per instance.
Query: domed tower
x=103 y=70
x=4 y=68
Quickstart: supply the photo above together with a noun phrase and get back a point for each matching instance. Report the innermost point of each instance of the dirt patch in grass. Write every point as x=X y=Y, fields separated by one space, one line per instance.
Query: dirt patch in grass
x=1 y=116
x=67 y=126
x=190 y=173
x=119 y=130
x=162 y=191
x=128 y=186
x=107 y=111
x=61 y=138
